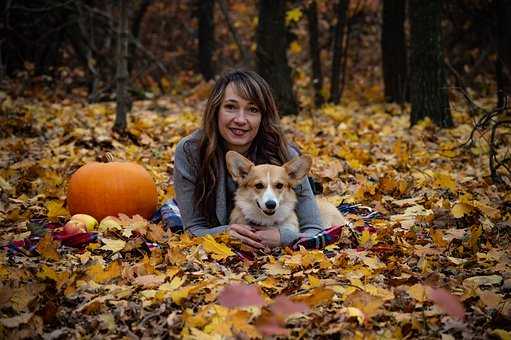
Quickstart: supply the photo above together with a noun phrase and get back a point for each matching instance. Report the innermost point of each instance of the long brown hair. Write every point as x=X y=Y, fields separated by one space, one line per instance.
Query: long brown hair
x=270 y=145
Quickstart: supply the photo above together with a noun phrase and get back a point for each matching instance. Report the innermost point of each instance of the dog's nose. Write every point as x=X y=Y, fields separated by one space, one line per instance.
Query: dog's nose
x=270 y=204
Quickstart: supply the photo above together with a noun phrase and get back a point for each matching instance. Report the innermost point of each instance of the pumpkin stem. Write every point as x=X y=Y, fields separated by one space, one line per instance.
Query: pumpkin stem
x=109 y=157
x=105 y=157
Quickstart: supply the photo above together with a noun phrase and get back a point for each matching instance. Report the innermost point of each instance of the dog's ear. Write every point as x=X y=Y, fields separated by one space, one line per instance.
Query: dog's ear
x=238 y=166
x=298 y=168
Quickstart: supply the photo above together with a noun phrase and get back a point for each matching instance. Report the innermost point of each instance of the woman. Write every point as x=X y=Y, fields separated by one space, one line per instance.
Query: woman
x=240 y=115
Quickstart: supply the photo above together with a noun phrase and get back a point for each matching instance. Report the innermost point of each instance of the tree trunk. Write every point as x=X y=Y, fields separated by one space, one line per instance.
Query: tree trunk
x=245 y=55
x=393 y=46
x=428 y=85
x=120 y=124
x=206 y=38
x=271 y=54
x=314 y=50
x=342 y=14
x=135 y=30
x=503 y=63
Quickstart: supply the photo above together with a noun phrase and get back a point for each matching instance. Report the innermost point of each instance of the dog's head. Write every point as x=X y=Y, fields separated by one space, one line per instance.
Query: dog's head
x=267 y=186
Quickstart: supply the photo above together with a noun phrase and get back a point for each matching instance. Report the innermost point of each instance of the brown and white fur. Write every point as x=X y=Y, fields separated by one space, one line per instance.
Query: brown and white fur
x=265 y=195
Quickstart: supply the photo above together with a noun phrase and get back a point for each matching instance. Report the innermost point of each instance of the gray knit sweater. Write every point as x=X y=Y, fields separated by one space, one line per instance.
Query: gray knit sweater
x=186 y=165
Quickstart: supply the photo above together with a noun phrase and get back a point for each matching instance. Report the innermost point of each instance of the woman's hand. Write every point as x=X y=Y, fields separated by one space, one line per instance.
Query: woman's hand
x=246 y=234
x=269 y=237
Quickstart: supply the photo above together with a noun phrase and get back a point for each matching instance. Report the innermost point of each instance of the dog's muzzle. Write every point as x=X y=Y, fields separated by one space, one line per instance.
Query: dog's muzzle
x=271 y=207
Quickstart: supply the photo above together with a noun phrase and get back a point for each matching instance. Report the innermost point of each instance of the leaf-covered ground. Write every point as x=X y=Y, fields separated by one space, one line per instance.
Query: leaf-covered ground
x=435 y=264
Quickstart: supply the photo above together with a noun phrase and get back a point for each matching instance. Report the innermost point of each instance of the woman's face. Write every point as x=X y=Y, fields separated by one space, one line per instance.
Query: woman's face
x=238 y=120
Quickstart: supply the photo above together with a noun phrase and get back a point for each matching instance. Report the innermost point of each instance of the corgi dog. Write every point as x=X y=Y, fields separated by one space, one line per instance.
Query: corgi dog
x=265 y=196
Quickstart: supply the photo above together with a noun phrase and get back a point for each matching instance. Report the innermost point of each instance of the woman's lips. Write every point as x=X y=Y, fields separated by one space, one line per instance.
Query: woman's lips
x=238 y=132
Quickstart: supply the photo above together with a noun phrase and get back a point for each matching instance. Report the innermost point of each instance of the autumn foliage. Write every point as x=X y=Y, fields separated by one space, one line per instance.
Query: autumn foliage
x=434 y=262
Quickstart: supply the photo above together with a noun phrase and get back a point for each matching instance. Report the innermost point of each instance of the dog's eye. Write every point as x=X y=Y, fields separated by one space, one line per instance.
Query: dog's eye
x=259 y=186
x=279 y=185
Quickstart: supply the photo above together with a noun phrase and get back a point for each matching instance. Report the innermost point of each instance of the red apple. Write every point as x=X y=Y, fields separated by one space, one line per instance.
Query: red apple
x=74 y=227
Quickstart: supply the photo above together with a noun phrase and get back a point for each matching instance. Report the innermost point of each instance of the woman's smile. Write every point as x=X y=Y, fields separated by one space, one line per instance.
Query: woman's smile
x=238 y=132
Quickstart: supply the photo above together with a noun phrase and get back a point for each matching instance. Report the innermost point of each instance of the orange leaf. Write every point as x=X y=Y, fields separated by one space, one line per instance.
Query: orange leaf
x=47 y=247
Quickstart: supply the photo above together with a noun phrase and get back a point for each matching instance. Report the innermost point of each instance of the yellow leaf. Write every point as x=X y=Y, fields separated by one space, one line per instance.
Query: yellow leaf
x=55 y=209
x=400 y=149
x=113 y=245
x=98 y=274
x=460 y=209
x=217 y=250
x=176 y=282
x=317 y=297
x=294 y=14
x=367 y=303
x=372 y=262
x=179 y=295
x=355 y=313
x=501 y=333
x=240 y=321
x=367 y=239
x=475 y=235
x=295 y=47
x=49 y=273
x=5 y=185
x=418 y=292
x=314 y=281
x=445 y=181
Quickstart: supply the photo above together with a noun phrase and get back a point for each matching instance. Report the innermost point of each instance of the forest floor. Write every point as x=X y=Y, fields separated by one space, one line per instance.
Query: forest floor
x=435 y=263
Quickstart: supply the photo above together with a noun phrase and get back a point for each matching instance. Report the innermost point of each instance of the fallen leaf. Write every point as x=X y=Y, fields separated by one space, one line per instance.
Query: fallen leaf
x=113 y=245
x=98 y=274
x=476 y=281
x=418 y=292
x=240 y=295
x=446 y=301
x=149 y=281
x=47 y=247
x=55 y=209
x=490 y=299
x=284 y=306
x=217 y=250
x=15 y=321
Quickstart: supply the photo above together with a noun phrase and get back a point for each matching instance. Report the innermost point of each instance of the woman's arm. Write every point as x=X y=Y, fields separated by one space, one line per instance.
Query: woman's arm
x=307 y=210
x=185 y=175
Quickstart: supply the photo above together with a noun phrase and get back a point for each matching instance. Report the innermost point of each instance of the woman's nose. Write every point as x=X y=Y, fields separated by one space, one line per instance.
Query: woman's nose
x=240 y=117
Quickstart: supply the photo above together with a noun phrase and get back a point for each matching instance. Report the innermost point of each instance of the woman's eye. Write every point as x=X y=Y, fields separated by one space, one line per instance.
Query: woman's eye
x=259 y=186
x=254 y=110
x=279 y=186
x=229 y=107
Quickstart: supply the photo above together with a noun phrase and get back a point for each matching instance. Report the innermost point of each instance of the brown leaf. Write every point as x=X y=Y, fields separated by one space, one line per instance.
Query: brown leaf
x=15 y=321
x=155 y=233
x=149 y=281
x=47 y=247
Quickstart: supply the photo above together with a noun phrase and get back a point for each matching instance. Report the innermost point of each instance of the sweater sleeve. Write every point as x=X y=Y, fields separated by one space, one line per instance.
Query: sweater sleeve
x=306 y=209
x=185 y=178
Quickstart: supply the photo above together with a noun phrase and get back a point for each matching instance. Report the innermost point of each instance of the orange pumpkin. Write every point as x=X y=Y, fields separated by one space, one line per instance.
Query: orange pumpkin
x=107 y=189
